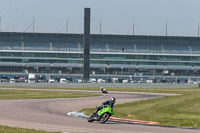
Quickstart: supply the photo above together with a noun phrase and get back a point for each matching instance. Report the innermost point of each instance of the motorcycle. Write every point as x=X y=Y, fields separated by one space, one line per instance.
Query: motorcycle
x=103 y=115
x=104 y=91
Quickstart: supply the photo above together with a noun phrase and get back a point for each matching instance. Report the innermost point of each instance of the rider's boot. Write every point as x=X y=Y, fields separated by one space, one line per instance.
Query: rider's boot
x=98 y=117
x=95 y=112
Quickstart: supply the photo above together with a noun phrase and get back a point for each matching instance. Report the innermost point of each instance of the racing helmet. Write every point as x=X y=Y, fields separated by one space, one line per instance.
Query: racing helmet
x=112 y=99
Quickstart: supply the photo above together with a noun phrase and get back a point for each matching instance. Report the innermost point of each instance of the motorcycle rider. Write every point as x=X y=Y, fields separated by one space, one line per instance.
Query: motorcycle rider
x=110 y=103
x=103 y=90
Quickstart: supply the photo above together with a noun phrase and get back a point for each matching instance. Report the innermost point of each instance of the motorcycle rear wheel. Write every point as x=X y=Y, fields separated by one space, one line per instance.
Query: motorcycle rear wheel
x=104 y=118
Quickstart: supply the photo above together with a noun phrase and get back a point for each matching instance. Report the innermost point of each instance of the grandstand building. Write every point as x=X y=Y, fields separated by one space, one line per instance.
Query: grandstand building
x=110 y=54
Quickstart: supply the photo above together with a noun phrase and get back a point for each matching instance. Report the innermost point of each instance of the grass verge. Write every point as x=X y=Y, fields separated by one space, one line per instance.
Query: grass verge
x=158 y=90
x=6 y=129
x=34 y=94
x=182 y=110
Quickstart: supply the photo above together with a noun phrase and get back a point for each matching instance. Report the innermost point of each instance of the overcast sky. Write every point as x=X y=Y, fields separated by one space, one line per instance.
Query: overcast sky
x=117 y=16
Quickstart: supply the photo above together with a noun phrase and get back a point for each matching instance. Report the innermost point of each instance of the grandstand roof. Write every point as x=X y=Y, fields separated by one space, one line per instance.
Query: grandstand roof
x=100 y=43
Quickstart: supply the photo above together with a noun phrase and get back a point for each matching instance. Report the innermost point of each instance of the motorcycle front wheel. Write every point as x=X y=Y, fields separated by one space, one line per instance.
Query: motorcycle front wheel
x=104 y=118
x=90 y=118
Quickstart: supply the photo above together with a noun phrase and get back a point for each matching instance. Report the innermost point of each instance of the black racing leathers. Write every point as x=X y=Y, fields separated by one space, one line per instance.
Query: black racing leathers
x=105 y=104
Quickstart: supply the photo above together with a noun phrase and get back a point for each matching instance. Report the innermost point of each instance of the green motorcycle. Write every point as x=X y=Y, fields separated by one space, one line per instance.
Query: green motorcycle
x=102 y=115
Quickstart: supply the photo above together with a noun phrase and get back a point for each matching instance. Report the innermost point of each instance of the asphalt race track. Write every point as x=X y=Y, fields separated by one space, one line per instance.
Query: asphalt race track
x=50 y=114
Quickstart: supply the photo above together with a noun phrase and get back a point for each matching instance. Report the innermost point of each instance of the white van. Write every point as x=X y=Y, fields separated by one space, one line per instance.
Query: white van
x=125 y=81
x=93 y=81
x=63 y=80
x=115 y=80
x=12 y=80
x=80 y=81
x=100 y=81
x=51 y=81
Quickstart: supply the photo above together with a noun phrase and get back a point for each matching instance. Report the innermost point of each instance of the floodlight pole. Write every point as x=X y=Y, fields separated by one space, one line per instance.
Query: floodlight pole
x=0 y=23
x=33 y=24
x=198 y=30
x=166 y=29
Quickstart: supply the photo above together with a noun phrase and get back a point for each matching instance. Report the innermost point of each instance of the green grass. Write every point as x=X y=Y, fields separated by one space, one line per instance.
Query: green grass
x=181 y=111
x=34 y=94
x=6 y=129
